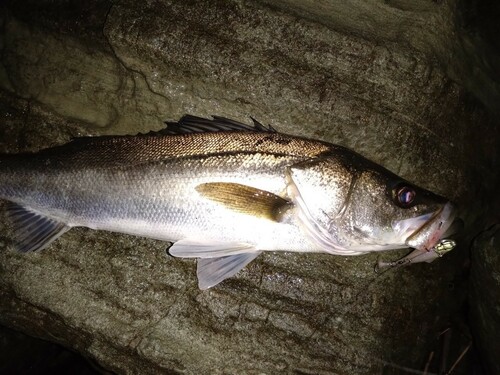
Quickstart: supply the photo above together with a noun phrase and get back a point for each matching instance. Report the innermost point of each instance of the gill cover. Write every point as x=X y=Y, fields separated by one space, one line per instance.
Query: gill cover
x=321 y=189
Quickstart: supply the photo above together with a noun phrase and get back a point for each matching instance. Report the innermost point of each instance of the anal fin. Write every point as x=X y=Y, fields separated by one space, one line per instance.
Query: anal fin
x=32 y=230
x=211 y=271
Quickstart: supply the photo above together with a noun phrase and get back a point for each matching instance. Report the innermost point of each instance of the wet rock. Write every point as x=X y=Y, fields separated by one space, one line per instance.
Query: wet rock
x=460 y=35
x=101 y=68
x=484 y=290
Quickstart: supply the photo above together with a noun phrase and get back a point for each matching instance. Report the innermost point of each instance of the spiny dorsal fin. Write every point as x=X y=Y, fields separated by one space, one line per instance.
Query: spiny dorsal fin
x=194 y=124
x=33 y=230
x=189 y=124
x=245 y=199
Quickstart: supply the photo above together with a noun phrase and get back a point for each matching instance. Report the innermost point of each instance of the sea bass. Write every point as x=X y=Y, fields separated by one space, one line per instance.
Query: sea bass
x=221 y=191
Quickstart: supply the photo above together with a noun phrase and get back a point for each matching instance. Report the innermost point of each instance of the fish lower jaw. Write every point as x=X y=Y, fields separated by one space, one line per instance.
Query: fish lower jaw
x=430 y=233
x=426 y=245
x=422 y=241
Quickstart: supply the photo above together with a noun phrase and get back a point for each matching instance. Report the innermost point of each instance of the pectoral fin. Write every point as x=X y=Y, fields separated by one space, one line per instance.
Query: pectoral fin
x=211 y=271
x=33 y=231
x=245 y=199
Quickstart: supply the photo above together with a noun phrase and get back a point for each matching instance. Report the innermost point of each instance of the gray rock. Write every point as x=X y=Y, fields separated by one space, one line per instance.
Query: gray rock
x=460 y=36
x=484 y=292
x=97 y=68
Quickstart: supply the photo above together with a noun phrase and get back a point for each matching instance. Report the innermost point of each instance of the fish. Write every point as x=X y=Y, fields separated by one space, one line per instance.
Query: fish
x=220 y=191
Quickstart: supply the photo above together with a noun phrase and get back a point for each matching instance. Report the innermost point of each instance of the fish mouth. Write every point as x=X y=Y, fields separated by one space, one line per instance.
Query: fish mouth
x=425 y=231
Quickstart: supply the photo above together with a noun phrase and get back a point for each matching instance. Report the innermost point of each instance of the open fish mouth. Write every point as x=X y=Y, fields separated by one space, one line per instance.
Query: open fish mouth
x=425 y=231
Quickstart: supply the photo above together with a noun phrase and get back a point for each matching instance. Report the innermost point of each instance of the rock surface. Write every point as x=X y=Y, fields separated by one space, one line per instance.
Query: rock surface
x=484 y=290
x=102 y=68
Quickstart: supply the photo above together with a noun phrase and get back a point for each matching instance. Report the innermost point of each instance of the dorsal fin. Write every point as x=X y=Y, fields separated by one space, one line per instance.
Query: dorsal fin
x=195 y=124
x=187 y=124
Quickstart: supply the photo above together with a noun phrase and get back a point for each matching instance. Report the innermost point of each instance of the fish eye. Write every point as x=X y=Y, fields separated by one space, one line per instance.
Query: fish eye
x=405 y=196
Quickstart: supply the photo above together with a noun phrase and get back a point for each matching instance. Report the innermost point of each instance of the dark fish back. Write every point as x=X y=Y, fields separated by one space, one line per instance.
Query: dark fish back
x=111 y=151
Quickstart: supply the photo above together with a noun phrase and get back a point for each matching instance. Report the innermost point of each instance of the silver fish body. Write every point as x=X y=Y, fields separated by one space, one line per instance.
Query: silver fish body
x=222 y=192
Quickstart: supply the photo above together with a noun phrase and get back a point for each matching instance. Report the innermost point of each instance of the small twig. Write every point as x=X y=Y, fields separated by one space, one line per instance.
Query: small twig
x=459 y=358
x=404 y=368
x=446 y=348
x=446 y=330
x=426 y=368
